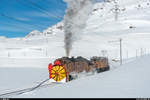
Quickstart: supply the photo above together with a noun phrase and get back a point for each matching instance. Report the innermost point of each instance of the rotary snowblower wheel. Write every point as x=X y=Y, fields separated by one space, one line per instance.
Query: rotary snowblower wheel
x=58 y=73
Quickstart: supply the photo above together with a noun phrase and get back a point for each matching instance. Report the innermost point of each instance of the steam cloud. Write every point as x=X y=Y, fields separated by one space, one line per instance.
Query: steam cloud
x=75 y=20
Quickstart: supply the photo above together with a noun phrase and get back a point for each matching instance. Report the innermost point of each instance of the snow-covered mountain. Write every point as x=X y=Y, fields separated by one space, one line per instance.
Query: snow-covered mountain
x=58 y=28
x=101 y=30
x=131 y=15
x=99 y=38
x=34 y=33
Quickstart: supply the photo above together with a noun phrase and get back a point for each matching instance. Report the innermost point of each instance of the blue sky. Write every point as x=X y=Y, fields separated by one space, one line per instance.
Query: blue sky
x=19 y=17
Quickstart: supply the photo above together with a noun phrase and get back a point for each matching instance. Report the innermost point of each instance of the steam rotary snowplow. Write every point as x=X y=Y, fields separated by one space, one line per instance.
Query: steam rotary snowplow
x=66 y=69
x=57 y=72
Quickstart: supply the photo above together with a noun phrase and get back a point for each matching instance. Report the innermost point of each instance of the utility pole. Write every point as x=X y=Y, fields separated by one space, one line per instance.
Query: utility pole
x=136 y=53
x=141 y=52
x=116 y=10
x=8 y=54
x=120 y=40
x=46 y=52
x=145 y=52
x=127 y=54
x=120 y=51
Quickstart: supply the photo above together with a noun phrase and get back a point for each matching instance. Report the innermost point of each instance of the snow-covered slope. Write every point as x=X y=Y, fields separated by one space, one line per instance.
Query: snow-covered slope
x=128 y=81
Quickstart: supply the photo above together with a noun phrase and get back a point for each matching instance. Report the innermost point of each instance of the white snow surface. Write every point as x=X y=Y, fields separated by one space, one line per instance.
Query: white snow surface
x=24 y=61
x=128 y=81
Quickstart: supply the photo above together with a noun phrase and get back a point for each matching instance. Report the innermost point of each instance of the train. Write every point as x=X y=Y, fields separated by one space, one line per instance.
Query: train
x=69 y=68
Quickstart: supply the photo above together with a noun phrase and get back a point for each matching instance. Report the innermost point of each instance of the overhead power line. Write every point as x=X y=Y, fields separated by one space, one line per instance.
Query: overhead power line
x=32 y=7
x=41 y=9
x=17 y=26
x=13 y=18
x=58 y=3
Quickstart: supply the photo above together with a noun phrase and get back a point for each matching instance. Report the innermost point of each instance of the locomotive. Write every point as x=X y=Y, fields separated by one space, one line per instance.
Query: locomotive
x=67 y=68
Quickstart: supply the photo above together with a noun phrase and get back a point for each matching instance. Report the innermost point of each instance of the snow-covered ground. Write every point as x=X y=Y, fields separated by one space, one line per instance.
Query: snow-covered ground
x=24 y=61
x=128 y=81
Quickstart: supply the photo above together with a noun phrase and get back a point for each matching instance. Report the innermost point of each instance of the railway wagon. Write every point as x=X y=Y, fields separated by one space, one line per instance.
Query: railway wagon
x=100 y=63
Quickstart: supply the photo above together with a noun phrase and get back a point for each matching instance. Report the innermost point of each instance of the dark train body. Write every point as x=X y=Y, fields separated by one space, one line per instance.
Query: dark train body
x=80 y=64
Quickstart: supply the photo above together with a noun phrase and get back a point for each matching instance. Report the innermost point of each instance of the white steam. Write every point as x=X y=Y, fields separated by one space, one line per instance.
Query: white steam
x=75 y=20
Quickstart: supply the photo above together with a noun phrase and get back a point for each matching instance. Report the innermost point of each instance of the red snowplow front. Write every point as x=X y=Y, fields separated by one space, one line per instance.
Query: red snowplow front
x=57 y=71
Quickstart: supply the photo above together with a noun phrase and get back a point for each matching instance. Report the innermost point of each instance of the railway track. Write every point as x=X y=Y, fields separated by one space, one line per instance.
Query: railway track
x=26 y=90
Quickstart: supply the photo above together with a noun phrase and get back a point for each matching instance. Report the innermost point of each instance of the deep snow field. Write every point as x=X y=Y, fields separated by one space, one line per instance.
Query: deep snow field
x=24 y=61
